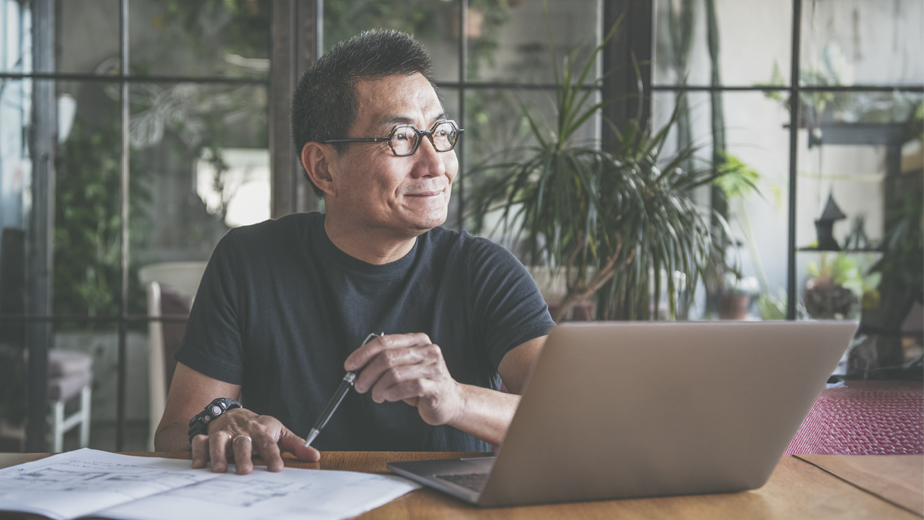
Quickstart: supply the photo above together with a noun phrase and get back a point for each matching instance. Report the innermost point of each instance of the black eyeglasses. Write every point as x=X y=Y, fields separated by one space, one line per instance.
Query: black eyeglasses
x=405 y=139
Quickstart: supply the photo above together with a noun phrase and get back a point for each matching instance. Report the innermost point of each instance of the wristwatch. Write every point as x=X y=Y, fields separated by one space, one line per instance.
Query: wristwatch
x=200 y=423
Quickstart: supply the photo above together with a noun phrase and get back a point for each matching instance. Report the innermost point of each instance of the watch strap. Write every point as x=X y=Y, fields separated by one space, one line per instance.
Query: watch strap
x=200 y=423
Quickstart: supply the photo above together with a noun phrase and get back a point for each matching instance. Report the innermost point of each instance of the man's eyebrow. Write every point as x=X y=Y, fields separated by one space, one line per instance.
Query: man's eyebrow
x=391 y=120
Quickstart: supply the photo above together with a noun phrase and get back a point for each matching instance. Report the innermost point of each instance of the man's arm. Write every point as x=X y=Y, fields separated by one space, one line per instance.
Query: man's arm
x=407 y=367
x=241 y=429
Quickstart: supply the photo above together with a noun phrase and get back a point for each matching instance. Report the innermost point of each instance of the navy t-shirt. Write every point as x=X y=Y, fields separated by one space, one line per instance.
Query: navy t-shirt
x=280 y=308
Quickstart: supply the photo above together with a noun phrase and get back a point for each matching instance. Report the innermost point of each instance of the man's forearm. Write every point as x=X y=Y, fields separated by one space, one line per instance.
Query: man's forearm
x=172 y=438
x=486 y=413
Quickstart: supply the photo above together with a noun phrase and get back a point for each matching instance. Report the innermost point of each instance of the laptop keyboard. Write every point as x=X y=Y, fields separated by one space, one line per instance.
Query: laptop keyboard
x=472 y=481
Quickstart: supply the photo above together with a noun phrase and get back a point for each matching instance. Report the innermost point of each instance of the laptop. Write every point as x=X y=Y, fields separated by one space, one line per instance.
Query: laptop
x=628 y=410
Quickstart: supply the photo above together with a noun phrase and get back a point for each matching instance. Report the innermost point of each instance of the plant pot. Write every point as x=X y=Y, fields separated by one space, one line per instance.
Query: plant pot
x=734 y=306
x=475 y=22
x=829 y=302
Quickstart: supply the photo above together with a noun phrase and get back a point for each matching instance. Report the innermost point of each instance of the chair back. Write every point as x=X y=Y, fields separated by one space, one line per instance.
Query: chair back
x=171 y=288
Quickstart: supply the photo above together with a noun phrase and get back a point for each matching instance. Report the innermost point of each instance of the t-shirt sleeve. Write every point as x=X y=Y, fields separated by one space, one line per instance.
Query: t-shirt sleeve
x=506 y=303
x=212 y=343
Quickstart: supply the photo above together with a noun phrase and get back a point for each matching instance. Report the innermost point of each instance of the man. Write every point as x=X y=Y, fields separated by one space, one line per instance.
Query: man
x=284 y=305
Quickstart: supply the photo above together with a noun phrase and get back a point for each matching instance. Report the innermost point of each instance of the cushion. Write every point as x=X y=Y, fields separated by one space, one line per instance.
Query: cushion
x=62 y=388
x=66 y=362
x=864 y=418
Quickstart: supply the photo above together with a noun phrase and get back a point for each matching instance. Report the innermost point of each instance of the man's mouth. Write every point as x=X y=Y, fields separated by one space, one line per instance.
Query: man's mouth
x=431 y=193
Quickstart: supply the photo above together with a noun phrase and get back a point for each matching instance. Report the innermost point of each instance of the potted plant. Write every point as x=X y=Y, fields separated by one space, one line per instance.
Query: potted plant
x=618 y=225
x=831 y=292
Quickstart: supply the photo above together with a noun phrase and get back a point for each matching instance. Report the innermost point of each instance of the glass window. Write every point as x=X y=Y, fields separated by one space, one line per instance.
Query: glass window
x=87 y=37
x=434 y=24
x=854 y=184
x=862 y=42
x=202 y=38
x=15 y=37
x=201 y=154
x=752 y=42
x=513 y=44
x=757 y=151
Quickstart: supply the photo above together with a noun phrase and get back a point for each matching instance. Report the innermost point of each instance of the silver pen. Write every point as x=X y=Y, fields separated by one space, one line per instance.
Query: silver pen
x=345 y=384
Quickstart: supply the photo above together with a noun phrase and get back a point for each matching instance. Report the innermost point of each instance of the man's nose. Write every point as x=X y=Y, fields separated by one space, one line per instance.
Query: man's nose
x=428 y=162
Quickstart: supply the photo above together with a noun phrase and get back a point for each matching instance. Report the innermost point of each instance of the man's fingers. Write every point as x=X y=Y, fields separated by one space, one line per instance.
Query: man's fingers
x=389 y=360
x=265 y=445
x=367 y=352
x=296 y=446
x=242 y=445
x=410 y=378
x=406 y=388
x=200 y=451
x=218 y=443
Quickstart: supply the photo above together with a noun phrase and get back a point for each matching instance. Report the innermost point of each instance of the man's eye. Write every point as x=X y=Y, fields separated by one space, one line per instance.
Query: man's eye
x=401 y=136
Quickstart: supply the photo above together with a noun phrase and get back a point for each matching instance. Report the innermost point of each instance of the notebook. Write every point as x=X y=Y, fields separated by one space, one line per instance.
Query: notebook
x=628 y=410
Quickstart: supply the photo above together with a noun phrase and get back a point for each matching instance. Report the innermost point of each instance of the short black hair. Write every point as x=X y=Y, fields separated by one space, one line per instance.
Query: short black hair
x=324 y=104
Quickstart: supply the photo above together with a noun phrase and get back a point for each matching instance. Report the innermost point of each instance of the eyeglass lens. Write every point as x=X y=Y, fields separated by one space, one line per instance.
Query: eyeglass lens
x=405 y=138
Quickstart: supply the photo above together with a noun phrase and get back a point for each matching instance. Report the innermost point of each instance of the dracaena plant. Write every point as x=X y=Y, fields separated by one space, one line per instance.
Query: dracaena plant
x=621 y=224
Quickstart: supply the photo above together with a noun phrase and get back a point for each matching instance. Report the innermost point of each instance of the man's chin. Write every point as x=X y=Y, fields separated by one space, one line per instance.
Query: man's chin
x=427 y=223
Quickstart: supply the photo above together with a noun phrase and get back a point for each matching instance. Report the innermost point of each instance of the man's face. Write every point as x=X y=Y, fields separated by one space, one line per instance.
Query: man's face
x=402 y=196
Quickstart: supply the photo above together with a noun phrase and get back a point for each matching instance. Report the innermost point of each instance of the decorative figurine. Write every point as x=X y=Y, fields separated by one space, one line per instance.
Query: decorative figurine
x=824 y=227
x=857 y=240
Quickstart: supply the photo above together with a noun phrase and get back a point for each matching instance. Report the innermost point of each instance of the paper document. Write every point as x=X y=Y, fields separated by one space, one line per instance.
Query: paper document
x=89 y=482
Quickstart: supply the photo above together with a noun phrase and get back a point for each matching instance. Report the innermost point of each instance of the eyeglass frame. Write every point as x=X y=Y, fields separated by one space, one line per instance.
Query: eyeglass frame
x=387 y=139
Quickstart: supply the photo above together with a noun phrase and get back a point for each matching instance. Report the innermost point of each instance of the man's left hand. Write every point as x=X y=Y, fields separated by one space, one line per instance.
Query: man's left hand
x=409 y=368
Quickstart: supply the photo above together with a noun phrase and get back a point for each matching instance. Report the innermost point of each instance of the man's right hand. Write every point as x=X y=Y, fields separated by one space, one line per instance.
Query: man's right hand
x=246 y=433
x=238 y=432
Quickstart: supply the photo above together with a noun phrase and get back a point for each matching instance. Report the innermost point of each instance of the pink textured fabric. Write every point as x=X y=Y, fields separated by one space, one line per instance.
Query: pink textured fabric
x=864 y=418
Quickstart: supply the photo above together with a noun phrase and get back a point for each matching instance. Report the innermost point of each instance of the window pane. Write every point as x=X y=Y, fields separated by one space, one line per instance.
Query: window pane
x=871 y=173
x=514 y=44
x=101 y=341
x=87 y=273
x=754 y=42
x=200 y=166
x=88 y=36
x=862 y=42
x=497 y=131
x=15 y=173
x=204 y=38
x=757 y=142
x=15 y=37
x=15 y=162
x=434 y=24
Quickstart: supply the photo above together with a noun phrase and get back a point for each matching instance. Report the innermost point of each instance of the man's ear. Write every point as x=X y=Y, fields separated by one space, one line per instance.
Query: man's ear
x=316 y=159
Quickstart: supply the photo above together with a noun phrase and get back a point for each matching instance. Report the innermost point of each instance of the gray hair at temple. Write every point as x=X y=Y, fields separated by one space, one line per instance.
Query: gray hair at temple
x=324 y=105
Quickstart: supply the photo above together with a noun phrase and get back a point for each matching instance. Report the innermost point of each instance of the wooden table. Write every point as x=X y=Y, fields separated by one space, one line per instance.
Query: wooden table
x=804 y=486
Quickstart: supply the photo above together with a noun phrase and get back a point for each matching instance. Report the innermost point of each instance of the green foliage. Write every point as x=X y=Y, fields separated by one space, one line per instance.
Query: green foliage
x=87 y=268
x=902 y=262
x=736 y=178
x=425 y=19
x=210 y=28
x=842 y=270
x=618 y=222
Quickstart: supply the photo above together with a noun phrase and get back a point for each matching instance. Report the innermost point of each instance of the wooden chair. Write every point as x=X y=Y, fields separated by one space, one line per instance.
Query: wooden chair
x=171 y=289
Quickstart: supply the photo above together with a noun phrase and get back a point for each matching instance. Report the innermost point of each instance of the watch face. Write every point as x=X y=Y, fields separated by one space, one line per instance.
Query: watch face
x=216 y=410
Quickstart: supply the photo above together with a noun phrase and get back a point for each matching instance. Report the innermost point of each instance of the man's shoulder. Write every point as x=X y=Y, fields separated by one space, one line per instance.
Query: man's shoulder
x=476 y=252
x=450 y=238
x=274 y=229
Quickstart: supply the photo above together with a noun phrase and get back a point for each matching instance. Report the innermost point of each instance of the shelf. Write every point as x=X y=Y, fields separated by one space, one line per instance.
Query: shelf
x=816 y=250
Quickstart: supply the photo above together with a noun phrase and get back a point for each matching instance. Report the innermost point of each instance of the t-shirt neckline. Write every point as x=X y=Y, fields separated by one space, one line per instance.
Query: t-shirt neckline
x=349 y=263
